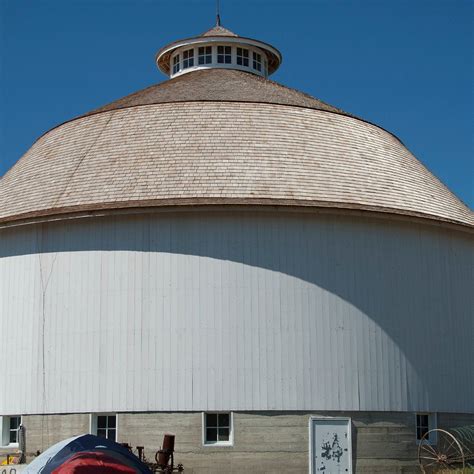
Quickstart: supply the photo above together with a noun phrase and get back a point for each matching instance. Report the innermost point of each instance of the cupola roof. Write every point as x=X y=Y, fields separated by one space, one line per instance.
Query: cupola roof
x=219 y=30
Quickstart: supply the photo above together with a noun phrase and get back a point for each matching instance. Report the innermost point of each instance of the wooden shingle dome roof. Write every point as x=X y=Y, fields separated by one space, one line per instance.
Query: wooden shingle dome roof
x=209 y=85
x=222 y=137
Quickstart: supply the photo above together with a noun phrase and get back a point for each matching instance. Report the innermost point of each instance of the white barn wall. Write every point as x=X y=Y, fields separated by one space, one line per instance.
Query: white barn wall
x=236 y=311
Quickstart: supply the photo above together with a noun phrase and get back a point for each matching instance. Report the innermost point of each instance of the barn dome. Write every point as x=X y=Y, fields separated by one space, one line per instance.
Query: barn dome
x=219 y=132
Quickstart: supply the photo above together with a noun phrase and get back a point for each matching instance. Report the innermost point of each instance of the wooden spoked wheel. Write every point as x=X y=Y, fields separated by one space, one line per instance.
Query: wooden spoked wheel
x=445 y=455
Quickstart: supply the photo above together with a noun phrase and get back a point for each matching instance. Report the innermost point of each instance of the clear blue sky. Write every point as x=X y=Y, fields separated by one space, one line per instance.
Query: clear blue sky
x=406 y=65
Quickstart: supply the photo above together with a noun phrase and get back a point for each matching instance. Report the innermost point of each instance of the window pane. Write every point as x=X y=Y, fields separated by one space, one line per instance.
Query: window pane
x=211 y=420
x=111 y=435
x=223 y=434
x=211 y=434
x=13 y=436
x=422 y=421
x=101 y=422
x=224 y=419
x=102 y=433
x=220 y=58
x=14 y=422
x=111 y=421
x=202 y=59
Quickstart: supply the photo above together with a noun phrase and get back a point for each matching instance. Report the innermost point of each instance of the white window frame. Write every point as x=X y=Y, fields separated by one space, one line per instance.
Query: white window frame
x=205 y=55
x=432 y=425
x=242 y=56
x=176 y=64
x=188 y=58
x=257 y=61
x=225 y=54
x=5 y=431
x=93 y=417
x=212 y=444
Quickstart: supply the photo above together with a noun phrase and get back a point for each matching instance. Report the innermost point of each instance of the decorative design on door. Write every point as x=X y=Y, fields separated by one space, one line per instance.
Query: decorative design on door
x=330 y=445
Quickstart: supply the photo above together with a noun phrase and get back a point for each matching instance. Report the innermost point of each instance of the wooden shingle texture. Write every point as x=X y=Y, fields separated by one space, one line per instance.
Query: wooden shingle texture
x=186 y=142
x=219 y=85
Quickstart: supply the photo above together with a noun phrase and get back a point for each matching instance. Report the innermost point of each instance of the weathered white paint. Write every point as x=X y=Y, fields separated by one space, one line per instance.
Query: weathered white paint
x=330 y=445
x=235 y=311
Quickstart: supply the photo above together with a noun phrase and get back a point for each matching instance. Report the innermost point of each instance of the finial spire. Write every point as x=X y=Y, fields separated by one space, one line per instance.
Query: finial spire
x=218 y=13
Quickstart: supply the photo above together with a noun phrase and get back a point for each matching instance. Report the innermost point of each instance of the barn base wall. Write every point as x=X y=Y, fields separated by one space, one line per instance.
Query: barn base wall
x=264 y=442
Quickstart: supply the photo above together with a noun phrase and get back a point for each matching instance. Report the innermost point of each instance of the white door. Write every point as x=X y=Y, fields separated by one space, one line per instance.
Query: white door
x=331 y=451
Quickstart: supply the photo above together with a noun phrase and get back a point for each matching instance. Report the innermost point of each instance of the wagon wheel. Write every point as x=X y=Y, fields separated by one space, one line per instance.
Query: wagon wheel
x=446 y=454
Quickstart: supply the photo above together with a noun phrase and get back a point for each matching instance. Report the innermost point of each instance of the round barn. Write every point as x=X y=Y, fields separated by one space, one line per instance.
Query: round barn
x=278 y=282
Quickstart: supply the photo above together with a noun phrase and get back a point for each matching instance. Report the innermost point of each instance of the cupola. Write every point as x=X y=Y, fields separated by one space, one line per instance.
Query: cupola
x=218 y=48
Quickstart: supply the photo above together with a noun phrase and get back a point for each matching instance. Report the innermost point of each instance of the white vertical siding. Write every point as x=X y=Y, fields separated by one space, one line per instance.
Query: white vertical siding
x=211 y=311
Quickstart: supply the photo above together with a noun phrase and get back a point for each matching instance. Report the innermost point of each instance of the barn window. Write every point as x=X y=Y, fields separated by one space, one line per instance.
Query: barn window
x=217 y=429
x=425 y=422
x=243 y=57
x=9 y=430
x=176 y=64
x=15 y=422
x=104 y=425
x=205 y=55
x=257 y=61
x=224 y=54
x=188 y=58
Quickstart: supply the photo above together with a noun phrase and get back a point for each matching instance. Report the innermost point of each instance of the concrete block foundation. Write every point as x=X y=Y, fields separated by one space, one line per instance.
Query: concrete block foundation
x=264 y=442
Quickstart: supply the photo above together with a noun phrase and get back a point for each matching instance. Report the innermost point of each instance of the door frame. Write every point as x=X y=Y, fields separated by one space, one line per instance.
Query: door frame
x=329 y=418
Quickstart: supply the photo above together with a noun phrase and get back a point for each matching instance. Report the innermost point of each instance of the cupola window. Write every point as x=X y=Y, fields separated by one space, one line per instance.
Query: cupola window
x=218 y=48
x=205 y=55
x=243 y=57
x=224 y=55
x=257 y=61
x=188 y=58
x=176 y=64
